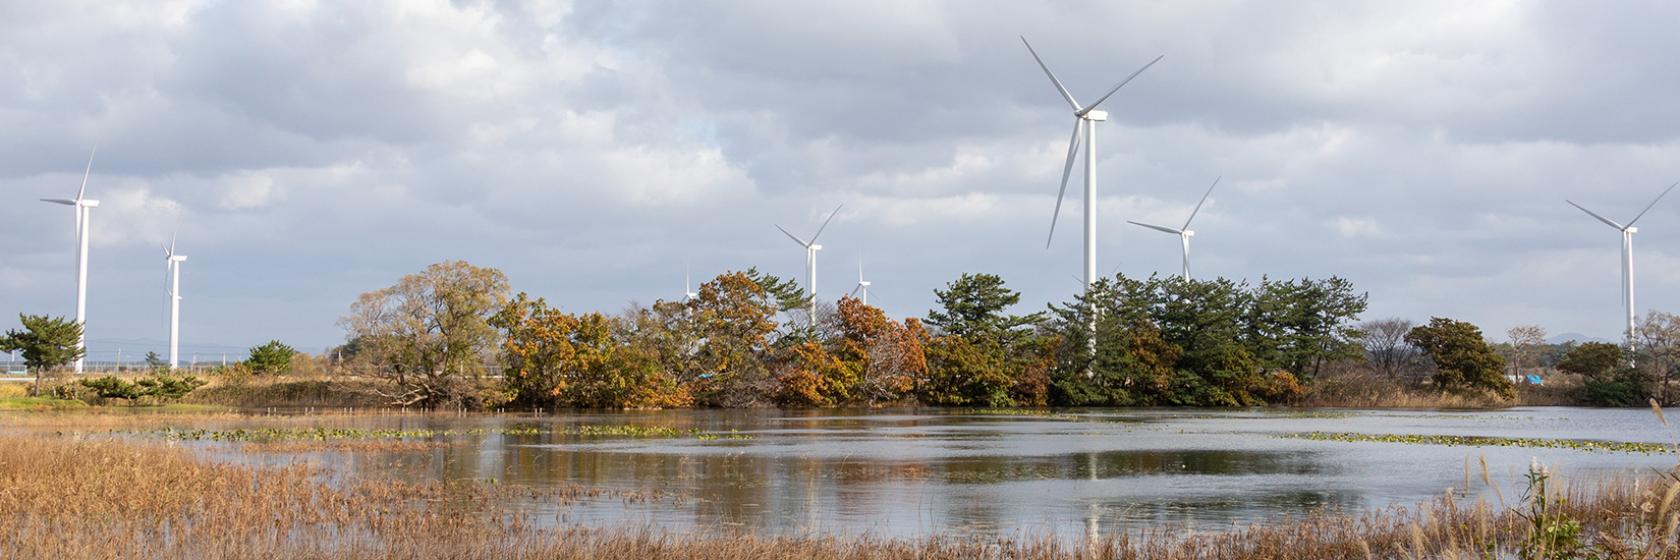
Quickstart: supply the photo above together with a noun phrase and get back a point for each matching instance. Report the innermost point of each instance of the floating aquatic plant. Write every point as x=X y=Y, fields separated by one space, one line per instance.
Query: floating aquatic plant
x=1489 y=441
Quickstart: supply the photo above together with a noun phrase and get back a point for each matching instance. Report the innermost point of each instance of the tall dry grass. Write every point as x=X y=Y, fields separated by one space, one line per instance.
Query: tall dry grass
x=87 y=498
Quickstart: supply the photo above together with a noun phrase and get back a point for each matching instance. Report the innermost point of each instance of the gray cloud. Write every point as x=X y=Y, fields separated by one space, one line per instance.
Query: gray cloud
x=309 y=152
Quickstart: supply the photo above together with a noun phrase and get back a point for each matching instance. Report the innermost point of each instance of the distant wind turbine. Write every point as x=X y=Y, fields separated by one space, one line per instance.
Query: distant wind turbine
x=172 y=287
x=688 y=286
x=1086 y=118
x=862 y=285
x=1184 y=233
x=811 y=248
x=82 y=205
x=1627 y=255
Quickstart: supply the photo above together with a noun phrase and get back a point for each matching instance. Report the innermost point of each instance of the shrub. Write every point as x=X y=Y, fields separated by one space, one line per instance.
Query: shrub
x=160 y=388
x=112 y=387
x=1608 y=379
x=271 y=358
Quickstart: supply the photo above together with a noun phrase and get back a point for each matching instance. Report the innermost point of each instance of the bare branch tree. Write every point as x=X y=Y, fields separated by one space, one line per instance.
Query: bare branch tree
x=1386 y=347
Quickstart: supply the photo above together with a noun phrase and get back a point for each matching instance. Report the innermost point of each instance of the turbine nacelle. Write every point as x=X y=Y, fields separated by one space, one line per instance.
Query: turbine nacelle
x=1188 y=233
x=816 y=247
x=1094 y=115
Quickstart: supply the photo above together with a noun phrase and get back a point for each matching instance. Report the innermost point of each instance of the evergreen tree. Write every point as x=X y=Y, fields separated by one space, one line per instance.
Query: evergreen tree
x=46 y=342
x=1464 y=361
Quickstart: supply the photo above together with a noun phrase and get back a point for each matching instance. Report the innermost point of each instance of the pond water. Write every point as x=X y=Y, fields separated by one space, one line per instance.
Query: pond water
x=914 y=473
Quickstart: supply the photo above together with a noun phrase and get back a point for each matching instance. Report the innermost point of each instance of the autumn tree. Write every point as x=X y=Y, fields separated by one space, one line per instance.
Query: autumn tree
x=668 y=331
x=883 y=359
x=1464 y=361
x=735 y=315
x=551 y=358
x=429 y=334
x=979 y=351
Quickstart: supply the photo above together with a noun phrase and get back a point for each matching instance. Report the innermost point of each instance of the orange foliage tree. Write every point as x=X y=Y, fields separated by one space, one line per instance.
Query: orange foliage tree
x=558 y=359
x=882 y=360
x=734 y=316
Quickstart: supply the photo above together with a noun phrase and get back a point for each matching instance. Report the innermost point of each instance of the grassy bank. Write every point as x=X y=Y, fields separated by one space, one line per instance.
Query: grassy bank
x=93 y=498
x=285 y=392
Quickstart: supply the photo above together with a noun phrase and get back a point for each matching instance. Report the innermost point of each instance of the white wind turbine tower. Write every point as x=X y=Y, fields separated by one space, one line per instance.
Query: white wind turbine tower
x=811 y=248
x=1627 y=255
x=1086 y=118
x=82 y=205
x=1184 y=233
x=862 y=285
x=172 y=287
x=688 y=286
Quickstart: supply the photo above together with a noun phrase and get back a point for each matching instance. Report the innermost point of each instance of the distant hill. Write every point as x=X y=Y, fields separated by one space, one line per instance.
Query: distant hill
x=1577 y=338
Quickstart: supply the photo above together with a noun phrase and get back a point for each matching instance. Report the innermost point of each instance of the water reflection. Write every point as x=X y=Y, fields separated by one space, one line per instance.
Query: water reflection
x=907 y=473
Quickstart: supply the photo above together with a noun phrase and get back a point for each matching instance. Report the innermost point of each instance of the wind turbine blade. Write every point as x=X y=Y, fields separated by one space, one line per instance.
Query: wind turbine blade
x=1121 y=84
x=1653 y=203
x=1059 y=88
x=831 y=216
x=1156 y=228
x=172 y=244
x=64 y=201
x=1204 y=201
x=85 y=173
x=795 y=238
x=1067 y=168
x=1607 y=221
x=855 y=290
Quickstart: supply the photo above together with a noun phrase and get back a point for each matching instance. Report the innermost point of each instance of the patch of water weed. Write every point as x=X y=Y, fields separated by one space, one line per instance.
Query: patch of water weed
x=272 y=435
x=1026 y=413
x=1488 y=441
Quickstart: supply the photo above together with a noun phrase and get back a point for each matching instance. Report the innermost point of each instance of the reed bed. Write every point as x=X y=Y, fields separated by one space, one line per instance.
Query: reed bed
x=104 y=498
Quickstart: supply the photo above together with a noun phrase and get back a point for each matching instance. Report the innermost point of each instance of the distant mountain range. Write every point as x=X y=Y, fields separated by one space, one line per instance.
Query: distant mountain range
x=1577 y=338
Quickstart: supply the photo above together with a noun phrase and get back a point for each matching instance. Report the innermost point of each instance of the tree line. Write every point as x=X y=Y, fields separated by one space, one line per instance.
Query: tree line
x=746 y=340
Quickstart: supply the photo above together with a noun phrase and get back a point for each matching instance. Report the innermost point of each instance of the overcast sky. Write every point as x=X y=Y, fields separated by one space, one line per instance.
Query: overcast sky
x=307 y=152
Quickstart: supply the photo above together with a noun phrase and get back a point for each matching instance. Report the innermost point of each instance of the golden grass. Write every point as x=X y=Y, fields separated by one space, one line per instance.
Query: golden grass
x=99 y=498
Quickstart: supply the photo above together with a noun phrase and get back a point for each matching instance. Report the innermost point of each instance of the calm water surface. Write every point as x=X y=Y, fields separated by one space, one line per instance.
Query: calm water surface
x=910 y=473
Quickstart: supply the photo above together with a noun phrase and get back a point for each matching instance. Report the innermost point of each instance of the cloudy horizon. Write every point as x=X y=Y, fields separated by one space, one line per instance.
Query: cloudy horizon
x=307 y=152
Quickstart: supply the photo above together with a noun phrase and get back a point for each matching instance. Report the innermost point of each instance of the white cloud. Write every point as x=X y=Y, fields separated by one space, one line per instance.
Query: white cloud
x=1350 y=226
x=248 y=190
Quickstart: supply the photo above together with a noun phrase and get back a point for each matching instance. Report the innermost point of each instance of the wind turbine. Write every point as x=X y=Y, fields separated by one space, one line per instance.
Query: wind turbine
x=862 y=285
x=688 y=286
x=811 y=248
x=82 y=205
x=1627 y=255
x=1086 y=118
x=172 y=287
x=1184 y=233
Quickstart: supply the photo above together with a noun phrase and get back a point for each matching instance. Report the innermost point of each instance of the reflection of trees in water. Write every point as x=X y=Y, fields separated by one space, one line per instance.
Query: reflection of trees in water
x=1223 y=512
x=772 y=491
